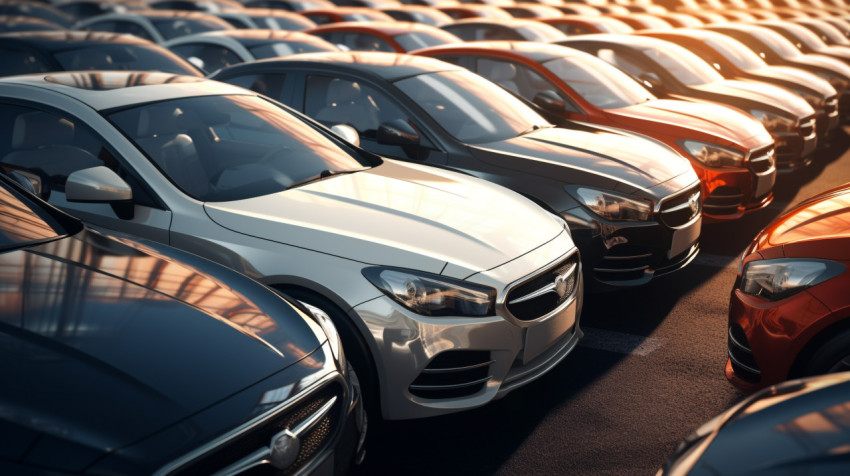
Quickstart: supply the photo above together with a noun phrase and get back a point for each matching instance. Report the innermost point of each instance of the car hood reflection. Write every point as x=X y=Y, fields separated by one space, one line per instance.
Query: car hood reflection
x=397 y=214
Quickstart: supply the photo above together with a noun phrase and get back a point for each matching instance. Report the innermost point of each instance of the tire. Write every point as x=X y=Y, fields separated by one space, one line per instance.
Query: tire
x=354 y=348
x=834 y=356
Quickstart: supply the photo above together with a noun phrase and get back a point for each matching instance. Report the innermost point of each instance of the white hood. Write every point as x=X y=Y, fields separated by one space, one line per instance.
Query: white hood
x=398 y=214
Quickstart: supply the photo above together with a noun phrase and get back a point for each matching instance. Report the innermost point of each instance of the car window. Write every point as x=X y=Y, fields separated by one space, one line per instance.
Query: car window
x=207 y=57
x=423 y=39
x=23 y=221
x=334 y=101
x=483 y=32
x=598 y=82
x=221 y=148
x=542 y=33
x=624 y=62
x=270 y=85
x=736 y=53
x=469 y=107
x=21 y=62
x=685 y=66
x=120 y=26
x=283 y=23
x=171 y=28
x=281 y=48
x=364 y=42
x=123 y=57
x=49 y=145
x=775 y=42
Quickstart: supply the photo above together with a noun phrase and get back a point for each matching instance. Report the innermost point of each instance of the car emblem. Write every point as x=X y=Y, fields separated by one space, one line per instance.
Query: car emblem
x=285 y=447
x=693 y=202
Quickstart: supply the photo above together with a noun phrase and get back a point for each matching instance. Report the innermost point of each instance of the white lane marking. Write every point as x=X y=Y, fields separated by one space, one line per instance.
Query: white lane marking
x=716 y=261
x=629 y=344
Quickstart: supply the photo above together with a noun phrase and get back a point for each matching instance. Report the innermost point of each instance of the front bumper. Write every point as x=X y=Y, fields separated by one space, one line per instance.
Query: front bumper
x=732 y=193
x=765 y=338
x=430 y=366
x=793 y=149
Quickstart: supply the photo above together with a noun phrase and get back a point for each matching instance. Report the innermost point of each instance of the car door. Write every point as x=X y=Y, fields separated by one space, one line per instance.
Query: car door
x=47 y=145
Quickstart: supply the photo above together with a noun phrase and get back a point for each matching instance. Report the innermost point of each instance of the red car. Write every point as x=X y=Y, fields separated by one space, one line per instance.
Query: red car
x=731 y=152
x=789 y=314
x=396 y=36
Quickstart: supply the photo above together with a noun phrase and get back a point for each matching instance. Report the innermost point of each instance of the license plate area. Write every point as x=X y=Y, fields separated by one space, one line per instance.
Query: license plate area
x=539 y=337
x=684 y=238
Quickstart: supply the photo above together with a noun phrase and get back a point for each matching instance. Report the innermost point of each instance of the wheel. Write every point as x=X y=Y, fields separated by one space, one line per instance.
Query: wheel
x=834 y=356
x=355 y=349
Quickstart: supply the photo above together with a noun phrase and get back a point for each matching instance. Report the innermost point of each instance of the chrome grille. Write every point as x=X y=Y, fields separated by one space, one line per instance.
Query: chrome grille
x=723 y=201
x=831 y=105
x=454 y=374
x=807 y=127
x=545 y=292
x=623 y=262
x=741 y=355
x=313 y=419
x=762 y=160
x=680 y=209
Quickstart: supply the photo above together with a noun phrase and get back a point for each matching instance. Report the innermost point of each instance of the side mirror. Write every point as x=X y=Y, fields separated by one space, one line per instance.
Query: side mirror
x=347 y=133
x=550 y=101
x=651 y=80
x=397 y=132
x=100 y=185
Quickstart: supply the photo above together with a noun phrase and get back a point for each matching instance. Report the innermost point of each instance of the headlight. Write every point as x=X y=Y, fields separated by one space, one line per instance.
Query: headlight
x=774 y=122
x=837 y=82
x=611 y=206
x=432 y=294
x=776 y=279
x=714 y=155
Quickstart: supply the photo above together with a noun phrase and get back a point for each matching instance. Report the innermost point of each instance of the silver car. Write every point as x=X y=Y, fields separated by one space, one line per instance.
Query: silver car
x=448 y=291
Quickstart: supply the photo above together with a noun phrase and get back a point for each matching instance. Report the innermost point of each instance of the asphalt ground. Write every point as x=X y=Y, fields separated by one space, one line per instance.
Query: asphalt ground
x=648 y=372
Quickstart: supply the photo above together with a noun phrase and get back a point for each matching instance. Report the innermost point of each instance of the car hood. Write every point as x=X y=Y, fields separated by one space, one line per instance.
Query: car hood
x=808 y=226
x=804 y=427
x=622 y=162
x=398 y=214
x=724 y=123
x=796 y=78
x=821 y=61
x=111 y=344
x=766 y=94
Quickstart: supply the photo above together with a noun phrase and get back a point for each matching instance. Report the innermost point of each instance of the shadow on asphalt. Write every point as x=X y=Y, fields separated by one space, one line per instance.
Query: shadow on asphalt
x=480 y=441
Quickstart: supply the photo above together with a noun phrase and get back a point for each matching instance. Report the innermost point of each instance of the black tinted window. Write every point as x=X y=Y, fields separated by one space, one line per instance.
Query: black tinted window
x=21 y=62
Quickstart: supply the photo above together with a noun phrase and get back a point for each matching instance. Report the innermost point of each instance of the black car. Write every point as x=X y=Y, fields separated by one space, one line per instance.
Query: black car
x=28 y=8
x=122 y=357
x=155 y=25
x=776 y=50
x=673 y=72
x=66 y=50
x=799 y=427
x=633 y=205
x=12 y=23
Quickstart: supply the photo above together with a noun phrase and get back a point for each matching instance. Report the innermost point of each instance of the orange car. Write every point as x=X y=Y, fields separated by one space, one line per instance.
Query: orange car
x=731 y=152
x=789 y=314
x=395 y=36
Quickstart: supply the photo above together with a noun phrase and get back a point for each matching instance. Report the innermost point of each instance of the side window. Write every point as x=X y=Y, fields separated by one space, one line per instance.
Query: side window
x=48 y=145
x=516 y=78
x=130 y=28
x=630 y=66
x=450 y=59
x=207 y=58
x=269 y=84
x=340 y=101
x=21 y=62
x=320 y=18
x=365 y=42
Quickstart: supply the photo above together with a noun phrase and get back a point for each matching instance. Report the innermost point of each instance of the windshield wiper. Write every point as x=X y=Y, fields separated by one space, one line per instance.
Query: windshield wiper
x=535 y=127
x=323 y=175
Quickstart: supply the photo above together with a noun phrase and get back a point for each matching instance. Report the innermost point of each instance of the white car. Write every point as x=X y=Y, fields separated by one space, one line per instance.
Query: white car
x=448 y=291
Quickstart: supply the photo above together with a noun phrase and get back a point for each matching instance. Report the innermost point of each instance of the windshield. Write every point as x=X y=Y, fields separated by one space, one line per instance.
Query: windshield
x=273 y=50
x=736 y=53
x=221 y=148
x=469 y=107
x=171 y=28
x=23 y=222
x=123 y=57
x=542 y=32
x=776 y=42
x=830 y=34
x=422 y=39
x=598 y=82
x=805 y=36
x=685 y=66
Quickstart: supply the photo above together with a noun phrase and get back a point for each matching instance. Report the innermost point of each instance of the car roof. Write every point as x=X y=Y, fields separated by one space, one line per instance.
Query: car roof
x=378 y=66
x=102 y=90
x=533 y=50
x=66 y=39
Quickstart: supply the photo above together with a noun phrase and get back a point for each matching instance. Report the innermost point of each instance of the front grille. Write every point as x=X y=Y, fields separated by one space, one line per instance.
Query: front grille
x=761 y=160
x=681 y=208
x=624 y=262
x=741 y=356
x=259 y=437
x=454 y=374
x=807 y=127
x=723 y=201
x=543 y=294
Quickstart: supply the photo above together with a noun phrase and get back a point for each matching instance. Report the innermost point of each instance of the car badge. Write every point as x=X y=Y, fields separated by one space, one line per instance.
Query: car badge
x=285 y=447
x=693 y=202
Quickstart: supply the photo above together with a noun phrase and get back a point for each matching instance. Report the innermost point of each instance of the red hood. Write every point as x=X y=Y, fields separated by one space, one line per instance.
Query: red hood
x=701 y=121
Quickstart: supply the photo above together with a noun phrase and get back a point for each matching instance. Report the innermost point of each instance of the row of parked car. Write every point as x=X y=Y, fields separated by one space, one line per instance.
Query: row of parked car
x=431 y=220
